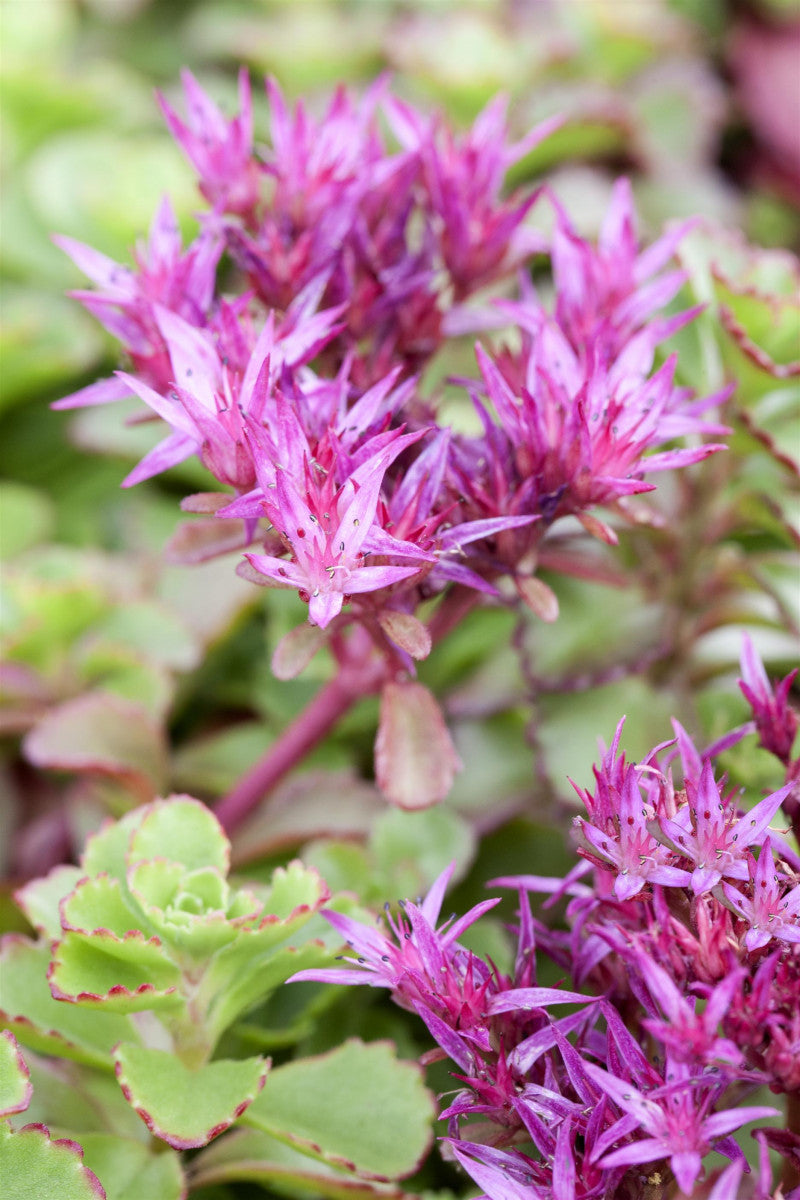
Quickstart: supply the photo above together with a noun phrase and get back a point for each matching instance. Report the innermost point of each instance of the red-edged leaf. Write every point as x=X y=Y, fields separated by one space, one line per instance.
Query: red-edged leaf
x=16 y=1088
x=101 y=734
x=183 y=1107
x=34 y=1165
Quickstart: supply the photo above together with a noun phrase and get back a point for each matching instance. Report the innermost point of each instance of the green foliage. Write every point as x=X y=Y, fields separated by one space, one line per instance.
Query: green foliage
x=148 y=955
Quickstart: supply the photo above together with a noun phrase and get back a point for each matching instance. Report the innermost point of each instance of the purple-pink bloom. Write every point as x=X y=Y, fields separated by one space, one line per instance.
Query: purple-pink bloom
x=424 y=967
x=677 y=1119
x=128 y=298
x=776 y=722
x=608 y=292
x=221 y=151
x=572 y=434
x=774 y=910
x=707 y=832
x=689 y=1034
x=481 y=236
x=627 y=845
x=330 y=531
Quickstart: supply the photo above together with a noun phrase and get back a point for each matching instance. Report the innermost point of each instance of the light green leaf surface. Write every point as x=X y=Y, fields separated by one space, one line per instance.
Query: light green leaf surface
x=129 y=1170
x=358 y=1108
x=48 y=1025
x=34 y=1166
x=15 y=1078
x=183 y=1107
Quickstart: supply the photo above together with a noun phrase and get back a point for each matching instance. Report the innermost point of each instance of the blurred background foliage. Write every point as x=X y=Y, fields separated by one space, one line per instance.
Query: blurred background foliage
x=128 y=675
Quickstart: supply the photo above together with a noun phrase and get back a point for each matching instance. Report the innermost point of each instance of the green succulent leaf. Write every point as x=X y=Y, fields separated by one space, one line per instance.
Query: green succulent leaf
x=295 y=891
x=79 y=1098
x=124 y=975
x=40 y=899
x=246 y=972
x=34 y=1164
x=357 y=1108
x=15 y=1078
x=66 y=1030
x=183 y=1107
x=106 y=850
x=181 y=909
x=99 y=904
x=129 y=1170
x=182 y=830
x=249 y=1154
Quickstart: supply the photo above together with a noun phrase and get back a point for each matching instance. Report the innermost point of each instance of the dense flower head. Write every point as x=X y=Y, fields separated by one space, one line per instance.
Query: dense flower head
x=576 y=434
x=684 y=931
x=354 y=244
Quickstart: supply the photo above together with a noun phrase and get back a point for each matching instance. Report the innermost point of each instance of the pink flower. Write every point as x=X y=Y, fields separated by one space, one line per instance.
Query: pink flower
x=331 y=530
x=677 y=1119
x=424 y=967
x=775 y=721
x=607 y=293
x=576 y=434
x=774 y=910
x=217 y=385
x=708 y=833
x=126 y=303
x=629 y=846
x=481 y=236
x=220 y=151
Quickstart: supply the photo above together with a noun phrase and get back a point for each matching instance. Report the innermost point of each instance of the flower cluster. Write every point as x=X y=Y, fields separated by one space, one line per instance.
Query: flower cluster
x=683 y=930
x=349 y=263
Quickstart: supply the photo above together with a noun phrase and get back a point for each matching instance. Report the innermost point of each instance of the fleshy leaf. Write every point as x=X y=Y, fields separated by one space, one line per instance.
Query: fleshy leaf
x=67 y=1030
x=101 y=734
x=357 y=1108
x=415 y=760
x=72 y=1096
x=40 y=898
x=129 y=1170
x=539 y=597
x=296 y=649
x=252 y=1155
x=183 y=1107
x=247 y=971
x=122 y=975
x=177 y=912
x=407 y=632
x=106 y=850
x=98 y=904
x=183 y=830
x=33 y=1164
x=15 y=1078
x=294 y=891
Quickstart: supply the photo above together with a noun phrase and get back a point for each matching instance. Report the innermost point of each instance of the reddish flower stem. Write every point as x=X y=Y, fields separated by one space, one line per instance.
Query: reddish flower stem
x=310 y=727
x=360 y=674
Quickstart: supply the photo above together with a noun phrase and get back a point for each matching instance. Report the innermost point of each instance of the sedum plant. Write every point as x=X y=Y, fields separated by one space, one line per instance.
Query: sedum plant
x=148 y=954
x=303 y=354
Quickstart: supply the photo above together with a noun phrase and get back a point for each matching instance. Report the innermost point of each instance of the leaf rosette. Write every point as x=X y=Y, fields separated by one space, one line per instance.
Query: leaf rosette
x=153 y=923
